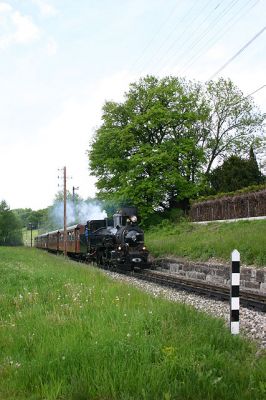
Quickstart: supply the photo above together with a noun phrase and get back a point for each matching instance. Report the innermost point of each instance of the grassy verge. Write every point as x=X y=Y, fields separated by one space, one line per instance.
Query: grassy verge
x=214 y=240
x=68 y=332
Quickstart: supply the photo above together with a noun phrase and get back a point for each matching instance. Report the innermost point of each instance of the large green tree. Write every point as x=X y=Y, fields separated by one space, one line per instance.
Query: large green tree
x=147 y=150
x=234 y=124
x=10 y=227
x=29 y=216
x=154 y=148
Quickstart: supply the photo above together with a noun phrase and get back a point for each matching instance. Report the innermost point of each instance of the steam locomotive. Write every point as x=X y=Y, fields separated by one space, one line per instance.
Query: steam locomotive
x=114 y=244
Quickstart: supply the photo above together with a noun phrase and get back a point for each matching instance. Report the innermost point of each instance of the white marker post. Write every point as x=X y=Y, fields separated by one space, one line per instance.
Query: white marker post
x=234 y=293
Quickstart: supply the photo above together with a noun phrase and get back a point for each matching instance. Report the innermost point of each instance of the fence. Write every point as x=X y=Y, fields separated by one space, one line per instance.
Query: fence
x=245 y=205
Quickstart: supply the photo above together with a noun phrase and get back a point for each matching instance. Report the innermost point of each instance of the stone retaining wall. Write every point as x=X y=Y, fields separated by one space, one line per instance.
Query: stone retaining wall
x=250 y=277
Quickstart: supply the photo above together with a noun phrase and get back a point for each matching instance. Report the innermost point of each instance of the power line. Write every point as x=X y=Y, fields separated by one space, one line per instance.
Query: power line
x=205 y=47
x=218 y=17
x=257 y=90
x=187 y=27
x=155 y=34
x=239 y=52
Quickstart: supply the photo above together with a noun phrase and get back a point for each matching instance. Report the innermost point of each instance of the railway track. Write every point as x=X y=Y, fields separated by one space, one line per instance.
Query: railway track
x=248 y=299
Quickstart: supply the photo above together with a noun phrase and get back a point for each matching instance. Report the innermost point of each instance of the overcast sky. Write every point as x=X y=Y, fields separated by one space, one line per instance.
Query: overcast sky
x=61 y=59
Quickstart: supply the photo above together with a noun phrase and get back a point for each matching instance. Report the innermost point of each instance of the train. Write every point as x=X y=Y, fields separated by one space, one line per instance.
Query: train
x=116 y=243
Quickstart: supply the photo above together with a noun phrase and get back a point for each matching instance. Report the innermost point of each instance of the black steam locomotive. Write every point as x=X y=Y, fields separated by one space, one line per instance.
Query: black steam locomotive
x=115 y=244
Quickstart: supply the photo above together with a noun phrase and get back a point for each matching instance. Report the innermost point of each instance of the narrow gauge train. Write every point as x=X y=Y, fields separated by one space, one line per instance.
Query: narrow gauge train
x=116 y=243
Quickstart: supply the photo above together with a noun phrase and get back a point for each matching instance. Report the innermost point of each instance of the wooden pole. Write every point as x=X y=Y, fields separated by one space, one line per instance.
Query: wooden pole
x=65 y=216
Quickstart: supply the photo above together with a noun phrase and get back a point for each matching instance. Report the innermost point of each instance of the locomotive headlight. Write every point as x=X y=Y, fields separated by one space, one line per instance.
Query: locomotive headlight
x=134 y=218
x=119 y=248
x=144 y=248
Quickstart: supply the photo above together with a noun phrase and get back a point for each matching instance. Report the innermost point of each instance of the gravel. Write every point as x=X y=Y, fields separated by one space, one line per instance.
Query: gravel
x=252 y=323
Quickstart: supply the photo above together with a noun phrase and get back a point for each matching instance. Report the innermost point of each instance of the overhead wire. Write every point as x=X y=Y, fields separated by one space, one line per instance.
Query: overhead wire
x=238 y=52
x=257 y=90
x=203 y=34
x=206 y=46
x=156 y=34
x=224 y=12
x=193 y=33
x=151 y=59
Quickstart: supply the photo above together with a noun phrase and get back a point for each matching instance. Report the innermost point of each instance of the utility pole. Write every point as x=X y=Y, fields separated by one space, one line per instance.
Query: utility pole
x=65 y=216
x=30 y=225
x=73 y=199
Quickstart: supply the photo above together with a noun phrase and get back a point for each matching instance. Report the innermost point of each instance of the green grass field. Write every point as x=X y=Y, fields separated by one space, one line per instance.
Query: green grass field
x=214 y=240
x=69 y=332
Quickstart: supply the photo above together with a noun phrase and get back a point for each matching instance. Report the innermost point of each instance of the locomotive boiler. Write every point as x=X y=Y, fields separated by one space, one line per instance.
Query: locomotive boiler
x=117 y=243
x=114 y=244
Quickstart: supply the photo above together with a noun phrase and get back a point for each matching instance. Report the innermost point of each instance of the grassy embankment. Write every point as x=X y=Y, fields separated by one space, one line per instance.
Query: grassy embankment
x=214 y=240
x=69 y=332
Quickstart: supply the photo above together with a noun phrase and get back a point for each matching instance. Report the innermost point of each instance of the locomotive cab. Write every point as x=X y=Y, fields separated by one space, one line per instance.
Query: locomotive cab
x=118 y=245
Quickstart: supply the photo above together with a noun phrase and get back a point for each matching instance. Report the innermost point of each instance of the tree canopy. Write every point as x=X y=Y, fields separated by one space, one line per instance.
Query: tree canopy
x=235 y=173
x=10 y=226
x=154 y=149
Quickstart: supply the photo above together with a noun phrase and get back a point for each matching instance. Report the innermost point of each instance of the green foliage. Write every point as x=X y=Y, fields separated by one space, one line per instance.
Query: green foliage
x=234 y=123
x=146 y=149
x=235 y=173
x=69 y=332
x=10 y=227
x=29 y=216
x=153 y=149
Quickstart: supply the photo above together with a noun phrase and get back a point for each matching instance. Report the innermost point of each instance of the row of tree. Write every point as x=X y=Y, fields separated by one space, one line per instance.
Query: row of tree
x=172 y=140
x=10 y=226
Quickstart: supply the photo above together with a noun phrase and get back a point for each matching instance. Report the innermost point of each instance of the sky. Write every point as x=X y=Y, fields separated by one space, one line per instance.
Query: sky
x=60 y=60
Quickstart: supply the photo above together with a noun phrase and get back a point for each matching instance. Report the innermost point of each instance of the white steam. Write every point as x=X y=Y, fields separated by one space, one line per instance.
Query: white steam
x=78 y=213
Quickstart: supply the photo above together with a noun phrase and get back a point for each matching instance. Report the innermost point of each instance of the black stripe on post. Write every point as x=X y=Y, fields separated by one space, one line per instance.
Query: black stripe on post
x=234 y=293
x=235 y=267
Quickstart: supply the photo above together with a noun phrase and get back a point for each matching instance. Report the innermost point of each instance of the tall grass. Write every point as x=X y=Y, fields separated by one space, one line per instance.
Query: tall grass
x=214 y=240
x=69 y=332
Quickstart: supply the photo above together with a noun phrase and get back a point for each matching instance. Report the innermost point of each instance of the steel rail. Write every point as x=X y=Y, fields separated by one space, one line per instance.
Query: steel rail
x=248 y=298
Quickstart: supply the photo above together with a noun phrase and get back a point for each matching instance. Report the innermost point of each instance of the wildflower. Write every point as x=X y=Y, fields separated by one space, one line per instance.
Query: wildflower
x=168 y=351
x=217 y=380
